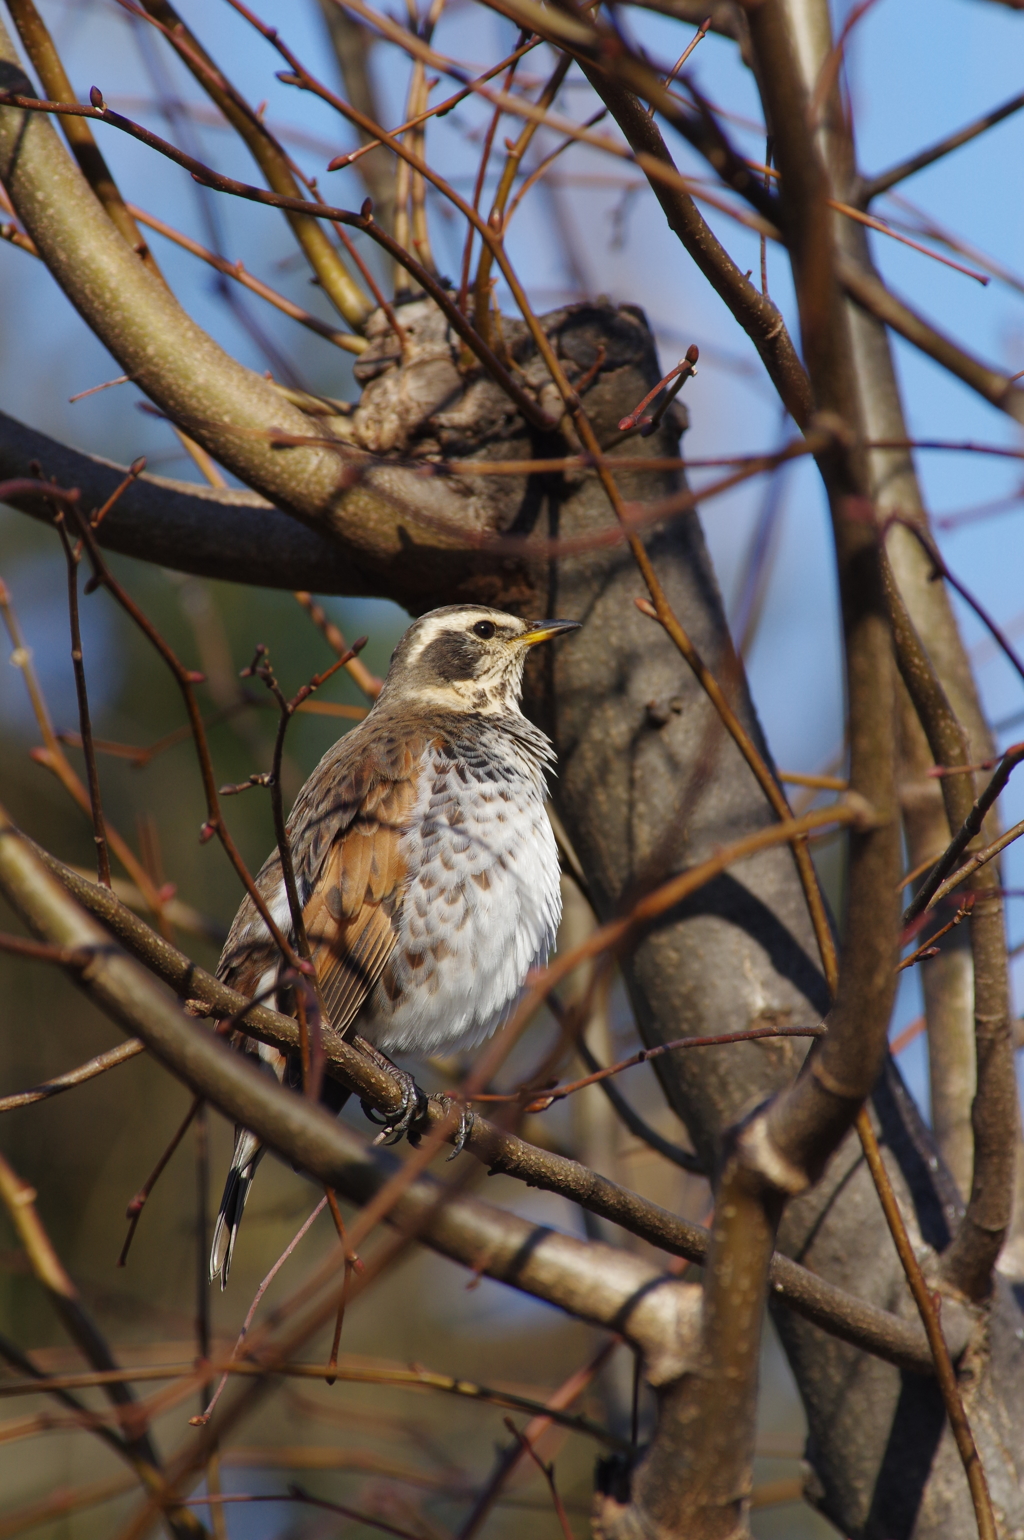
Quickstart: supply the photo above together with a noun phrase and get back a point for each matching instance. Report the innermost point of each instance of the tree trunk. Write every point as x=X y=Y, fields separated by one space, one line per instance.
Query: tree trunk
x=648 y=783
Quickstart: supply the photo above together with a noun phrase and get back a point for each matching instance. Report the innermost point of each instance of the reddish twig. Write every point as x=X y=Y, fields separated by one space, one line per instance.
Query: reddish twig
x=186 y=679
x=684 y=369
x=355 y=667
x=73 y=555
x=929 y=949
x=87 y=1071
x=511 y=1457
x=548 y=1097
x=134 y=1211
x=135 y=470
x=547 y=1471
x=204 y=1416
x=981 y=858
x=362 y=221
x=971 y=826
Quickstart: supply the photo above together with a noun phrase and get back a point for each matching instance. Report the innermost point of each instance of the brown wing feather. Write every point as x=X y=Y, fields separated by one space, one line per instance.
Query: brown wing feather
x=345 y=831
x=349 y=917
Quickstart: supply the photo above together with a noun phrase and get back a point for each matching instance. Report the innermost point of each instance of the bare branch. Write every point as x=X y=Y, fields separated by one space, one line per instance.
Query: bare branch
x=19 y=1200
x=224 y=533
x=323 y=258
x=754 y=311
x=827 y=1306
x=599 y=1284
x=870 y=292
x=872 y=187
x=73 y=1077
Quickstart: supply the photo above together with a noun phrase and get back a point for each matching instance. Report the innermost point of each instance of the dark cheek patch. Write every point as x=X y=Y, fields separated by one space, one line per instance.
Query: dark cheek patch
x=451 y=656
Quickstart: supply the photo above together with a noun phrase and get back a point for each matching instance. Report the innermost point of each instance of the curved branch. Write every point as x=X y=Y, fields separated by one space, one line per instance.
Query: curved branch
x=870 y=292
x=835 y=1311
x=237 y=416
x=607 y=1287
x=323 y=258
x=217 y=532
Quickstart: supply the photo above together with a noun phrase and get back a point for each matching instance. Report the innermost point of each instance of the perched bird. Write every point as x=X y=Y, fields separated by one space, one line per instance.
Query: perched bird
x=424 y=861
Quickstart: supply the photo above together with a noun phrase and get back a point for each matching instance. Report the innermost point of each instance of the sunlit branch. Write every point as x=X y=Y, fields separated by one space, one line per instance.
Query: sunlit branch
x=345 y=340
x=272 y=160
x=871 y=187
x=87 y=1071
x=829 y=1307
x=875 y=297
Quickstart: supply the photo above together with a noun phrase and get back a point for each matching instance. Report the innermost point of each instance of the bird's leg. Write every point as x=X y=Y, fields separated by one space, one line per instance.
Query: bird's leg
x=414 y=1102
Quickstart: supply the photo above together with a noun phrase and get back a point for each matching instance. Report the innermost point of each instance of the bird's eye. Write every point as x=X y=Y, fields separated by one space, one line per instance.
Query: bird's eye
x=484 y=629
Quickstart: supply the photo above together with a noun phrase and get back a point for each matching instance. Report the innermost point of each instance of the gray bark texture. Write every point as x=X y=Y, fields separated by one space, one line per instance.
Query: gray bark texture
x=647 y=784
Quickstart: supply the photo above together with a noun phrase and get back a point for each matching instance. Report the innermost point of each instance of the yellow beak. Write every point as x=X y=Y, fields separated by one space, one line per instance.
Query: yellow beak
x=544 y=630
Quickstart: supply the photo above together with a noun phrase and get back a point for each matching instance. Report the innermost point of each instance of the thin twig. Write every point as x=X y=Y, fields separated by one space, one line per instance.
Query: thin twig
x=873 y=186
x=969 y=829
x=348 y=341
x=635 y=1123
x=547 y=1098
x=185 y=680
x=141 y=1198
x=52 y=756
x=547 y=1471
x=928 y=1305
x=73 y=557
x=354 y=666
x=980 y=858
x=236 y=1352
x=87 y=1071
x=929 y=948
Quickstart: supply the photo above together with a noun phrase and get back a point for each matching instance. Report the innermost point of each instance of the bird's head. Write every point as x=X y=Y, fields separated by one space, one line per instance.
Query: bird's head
x=466 y=657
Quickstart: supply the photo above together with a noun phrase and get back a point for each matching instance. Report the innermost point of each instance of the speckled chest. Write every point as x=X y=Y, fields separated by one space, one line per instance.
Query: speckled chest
x=481 y=900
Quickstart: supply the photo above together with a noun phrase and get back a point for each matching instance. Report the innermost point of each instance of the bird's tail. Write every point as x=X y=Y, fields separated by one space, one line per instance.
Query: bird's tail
x=247 y=1156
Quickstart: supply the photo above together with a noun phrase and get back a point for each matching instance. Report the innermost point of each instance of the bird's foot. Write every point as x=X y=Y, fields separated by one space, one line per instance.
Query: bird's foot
x=395 y=1125
x=466 y=1119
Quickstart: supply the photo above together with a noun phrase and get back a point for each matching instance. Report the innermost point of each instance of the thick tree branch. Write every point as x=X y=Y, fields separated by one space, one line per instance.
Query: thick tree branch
x=876 y=1331
x=782 y=1149
x=323 y=258
x=599 y=1284
x=235 y=414
x=870 y=292
x=805 y=1124
x=967 y=1264
x=219 y=532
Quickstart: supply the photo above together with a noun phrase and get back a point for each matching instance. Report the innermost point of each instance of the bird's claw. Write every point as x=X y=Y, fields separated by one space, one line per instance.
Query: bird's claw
x=395 y=1127
x=466 y=1120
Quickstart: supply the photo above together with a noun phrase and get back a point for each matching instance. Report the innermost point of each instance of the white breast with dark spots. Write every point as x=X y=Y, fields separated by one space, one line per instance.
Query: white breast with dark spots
x=480 y=908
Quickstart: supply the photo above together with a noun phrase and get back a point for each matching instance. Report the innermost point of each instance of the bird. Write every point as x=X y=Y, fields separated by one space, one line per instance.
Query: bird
x=425 y=866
